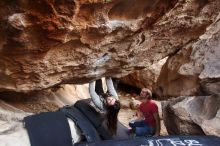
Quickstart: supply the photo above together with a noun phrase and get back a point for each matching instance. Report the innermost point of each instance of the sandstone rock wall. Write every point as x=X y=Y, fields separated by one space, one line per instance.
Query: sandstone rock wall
x=45 y=43
x=192 y=115
x=145 y=78
x=14 y=107
x=195 y=69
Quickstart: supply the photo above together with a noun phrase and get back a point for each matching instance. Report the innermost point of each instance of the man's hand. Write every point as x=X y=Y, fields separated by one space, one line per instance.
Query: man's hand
x=157 y=118
x=140 y=115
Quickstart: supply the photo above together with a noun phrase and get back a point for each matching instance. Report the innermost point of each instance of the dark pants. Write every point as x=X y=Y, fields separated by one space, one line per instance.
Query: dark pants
x=141 y=128
x=98 y=87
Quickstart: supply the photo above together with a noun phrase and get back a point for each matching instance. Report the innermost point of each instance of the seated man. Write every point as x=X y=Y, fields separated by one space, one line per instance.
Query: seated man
x=147 y=122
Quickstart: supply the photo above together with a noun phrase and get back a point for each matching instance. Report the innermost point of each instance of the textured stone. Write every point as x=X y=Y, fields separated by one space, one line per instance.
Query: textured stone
x=45 y=43
x=192 y=115
x=145 y=78
x=195 y=69
x=14 y=107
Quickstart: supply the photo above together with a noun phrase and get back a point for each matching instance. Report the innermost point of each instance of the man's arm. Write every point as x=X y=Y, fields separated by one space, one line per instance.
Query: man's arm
x=157 y=118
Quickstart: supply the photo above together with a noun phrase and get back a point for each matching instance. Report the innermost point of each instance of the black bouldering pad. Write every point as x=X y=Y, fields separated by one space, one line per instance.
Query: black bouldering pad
x=82 y=122
x=122 y=132
x=160 y=141
x=48 y=129
x=96 y=119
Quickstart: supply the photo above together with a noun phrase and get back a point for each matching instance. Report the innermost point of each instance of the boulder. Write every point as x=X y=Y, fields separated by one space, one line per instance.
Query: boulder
x=195 y=69
x=192 y=115
x=46 y=43
x=145 y=78
x=14 y=107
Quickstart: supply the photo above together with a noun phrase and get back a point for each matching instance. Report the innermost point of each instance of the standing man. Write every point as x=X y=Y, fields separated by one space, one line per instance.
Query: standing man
x=147 y=122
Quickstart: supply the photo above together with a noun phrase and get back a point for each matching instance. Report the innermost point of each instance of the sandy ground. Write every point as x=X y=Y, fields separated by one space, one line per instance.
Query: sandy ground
x=125 y=116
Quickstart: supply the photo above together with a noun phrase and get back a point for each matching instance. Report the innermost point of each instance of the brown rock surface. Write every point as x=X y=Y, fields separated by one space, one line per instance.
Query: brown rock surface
x=14 y=107
x=44 y=43
x=192 y=115
x=145 y=78
x=47 y=100
x=195 y=69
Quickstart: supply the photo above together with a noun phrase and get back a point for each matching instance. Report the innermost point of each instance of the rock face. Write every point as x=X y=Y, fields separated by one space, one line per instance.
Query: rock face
x=193 y=115
x=195 y=69
x=17 y=106
x=145 y=78
x=47 y=100
x=45 y=43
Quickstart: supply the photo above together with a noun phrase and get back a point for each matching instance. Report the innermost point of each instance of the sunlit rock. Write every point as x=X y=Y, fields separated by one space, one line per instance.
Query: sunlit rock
x=192 y=115
x=145 y=78
x=195 y=69
x=46 y=43
x=14 y=107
